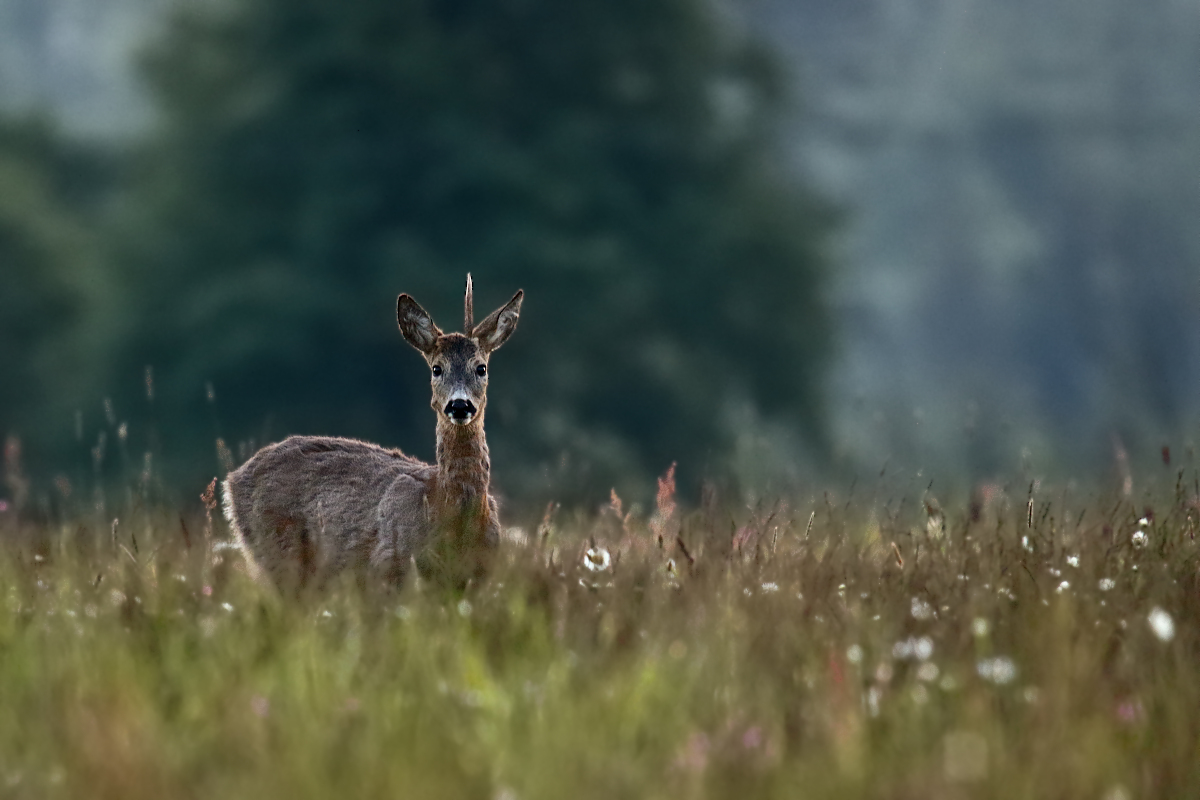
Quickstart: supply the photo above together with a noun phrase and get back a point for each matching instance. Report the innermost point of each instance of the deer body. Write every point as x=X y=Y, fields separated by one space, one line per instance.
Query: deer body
x=309 y=507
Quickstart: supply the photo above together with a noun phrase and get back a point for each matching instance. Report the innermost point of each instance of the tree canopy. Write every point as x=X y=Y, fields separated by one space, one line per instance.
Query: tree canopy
x=614 y=158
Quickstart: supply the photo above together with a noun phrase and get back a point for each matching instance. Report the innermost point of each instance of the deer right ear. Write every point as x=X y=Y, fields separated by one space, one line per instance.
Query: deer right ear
x=416 y=325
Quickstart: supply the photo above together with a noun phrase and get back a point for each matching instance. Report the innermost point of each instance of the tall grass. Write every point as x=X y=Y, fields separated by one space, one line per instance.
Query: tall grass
x=1018 y=648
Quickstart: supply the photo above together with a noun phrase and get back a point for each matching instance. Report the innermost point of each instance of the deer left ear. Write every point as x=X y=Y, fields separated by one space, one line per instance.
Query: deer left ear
x=495 y=329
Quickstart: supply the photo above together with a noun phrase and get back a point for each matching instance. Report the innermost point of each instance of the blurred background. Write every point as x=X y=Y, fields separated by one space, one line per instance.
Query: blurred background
x=782 y=242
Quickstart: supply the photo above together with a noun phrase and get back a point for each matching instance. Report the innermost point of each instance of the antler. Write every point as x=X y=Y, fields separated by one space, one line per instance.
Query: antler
x=469 y=308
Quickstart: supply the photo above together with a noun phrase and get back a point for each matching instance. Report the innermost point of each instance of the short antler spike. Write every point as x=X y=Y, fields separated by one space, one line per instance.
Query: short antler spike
x=469 y=308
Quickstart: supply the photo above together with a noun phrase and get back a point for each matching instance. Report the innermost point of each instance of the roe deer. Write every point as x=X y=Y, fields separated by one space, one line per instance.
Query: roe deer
x=310 y=506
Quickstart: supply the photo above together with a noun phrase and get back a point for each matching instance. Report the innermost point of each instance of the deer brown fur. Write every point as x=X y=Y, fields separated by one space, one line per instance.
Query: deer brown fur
x=309 y=507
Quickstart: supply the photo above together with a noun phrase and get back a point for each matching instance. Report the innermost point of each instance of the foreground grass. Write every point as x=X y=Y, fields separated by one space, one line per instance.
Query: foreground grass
x=1012 y=651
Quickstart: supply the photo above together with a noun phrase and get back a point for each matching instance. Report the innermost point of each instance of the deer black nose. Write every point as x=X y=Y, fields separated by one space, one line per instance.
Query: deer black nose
x=460 y=410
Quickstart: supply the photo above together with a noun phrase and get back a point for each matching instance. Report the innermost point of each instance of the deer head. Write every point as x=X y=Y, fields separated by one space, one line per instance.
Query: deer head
x=458 y=362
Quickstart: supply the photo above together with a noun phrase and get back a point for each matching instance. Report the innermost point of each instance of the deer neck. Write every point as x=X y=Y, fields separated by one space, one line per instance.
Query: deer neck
x=464 y=467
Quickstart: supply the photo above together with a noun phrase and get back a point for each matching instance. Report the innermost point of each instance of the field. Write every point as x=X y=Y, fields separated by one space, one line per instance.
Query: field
x=1026 y=645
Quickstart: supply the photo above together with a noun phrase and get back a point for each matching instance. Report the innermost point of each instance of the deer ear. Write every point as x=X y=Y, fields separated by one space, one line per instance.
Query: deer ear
x=416 y=325
x=495 y=329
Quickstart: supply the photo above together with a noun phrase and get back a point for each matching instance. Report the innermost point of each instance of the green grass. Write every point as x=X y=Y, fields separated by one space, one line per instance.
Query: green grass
x=791 y=657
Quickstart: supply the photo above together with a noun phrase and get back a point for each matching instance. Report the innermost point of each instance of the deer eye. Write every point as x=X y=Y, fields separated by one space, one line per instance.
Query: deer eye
x=437 y=370
x=481 y=370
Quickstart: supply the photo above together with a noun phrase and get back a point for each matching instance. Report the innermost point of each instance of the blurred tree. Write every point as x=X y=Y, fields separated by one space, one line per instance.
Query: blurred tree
x=55 y=291
x=613 y=157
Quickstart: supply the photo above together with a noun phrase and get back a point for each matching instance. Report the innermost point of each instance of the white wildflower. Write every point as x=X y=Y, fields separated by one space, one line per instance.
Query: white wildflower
x=980 y=627
x=923 y=649
x=597 y=559
x=998 y=670
x=1162 y=624
x=1073 y=560
x=854 y=654
x=918 y=649
x=1062 y=587
x=921 y=609
x=1139 y=539
x=1107 y=584
x=770 y=587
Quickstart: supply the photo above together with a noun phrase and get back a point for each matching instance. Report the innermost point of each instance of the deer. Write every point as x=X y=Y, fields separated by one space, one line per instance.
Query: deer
x=309 y=507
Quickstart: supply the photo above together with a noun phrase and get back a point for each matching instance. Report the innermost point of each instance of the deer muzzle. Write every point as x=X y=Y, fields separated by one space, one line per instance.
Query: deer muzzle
x=460 y=411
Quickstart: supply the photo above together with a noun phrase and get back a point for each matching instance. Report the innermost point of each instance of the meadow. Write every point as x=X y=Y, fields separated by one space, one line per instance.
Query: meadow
x=1026 y=643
